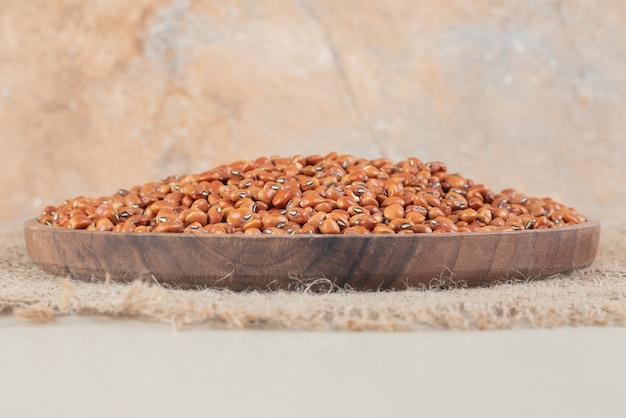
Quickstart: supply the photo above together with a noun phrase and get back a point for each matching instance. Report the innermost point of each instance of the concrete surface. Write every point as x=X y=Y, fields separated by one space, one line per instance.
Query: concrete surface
x=92 y=367
x=95 y=96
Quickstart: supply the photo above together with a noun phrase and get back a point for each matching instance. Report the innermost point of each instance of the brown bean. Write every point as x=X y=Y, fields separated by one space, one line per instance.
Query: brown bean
x=310 y=183
x=364 y=220
x=497 y=222
x=394 y=187
x=382 y=229
x=377 y=215
x=542 y=222
x=298 y=215
x=435 y=212
x=294 y=202
x=311 y=200
x=130 y=227
x=174 y=197
x=246 y=203
x=515 y=225
x=422 y=229
x=368 y=198
x=274 y=231
x=340 y=217
x=484 y=215
x=401 y=224
x=453 y=217
x=488 y=228
x=107 y=212
x=168 y=226
x=104 y=224
x=518 y=209
x=468 y=215
x=417 y=208
x=283 y=197
x=393 y=200
x=536 y=210
x=356 y=230
x=132 y=200
x=325 y=207
x=354 y=176
x=79 y=221
x=432 y=200
x=357 y=210
x=196 y=216
x=479 y=190
x=217 y=228
x=329 y=226
x=125 y=212
x=193 y=228
x=393 y=211
x=139 y=220
x=475 y=202
x=501 y=213
x=274 y=220
x=200 y=204
x=166 y=215
x=572 y=218
x=475 y=226
x=317 y=218
x=161 y=204
x=215 y=214
x=266 y=195
x=309 y=228
x=237 y=217
x=446 y=223
x=500 y=200
x=415 y=217
x=253 y=222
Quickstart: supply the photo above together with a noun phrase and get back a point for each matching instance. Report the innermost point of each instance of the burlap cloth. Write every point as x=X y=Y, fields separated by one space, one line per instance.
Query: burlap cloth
x=594 y=296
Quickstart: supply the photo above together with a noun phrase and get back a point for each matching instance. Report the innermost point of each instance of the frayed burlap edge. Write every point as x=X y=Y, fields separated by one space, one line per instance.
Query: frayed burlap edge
x=595 y=296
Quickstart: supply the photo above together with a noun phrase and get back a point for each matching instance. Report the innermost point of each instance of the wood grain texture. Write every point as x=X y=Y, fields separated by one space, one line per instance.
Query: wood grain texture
x=283 y=261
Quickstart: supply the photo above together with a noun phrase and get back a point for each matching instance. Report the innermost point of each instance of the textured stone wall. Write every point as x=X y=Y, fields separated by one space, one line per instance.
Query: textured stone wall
x=100 y=95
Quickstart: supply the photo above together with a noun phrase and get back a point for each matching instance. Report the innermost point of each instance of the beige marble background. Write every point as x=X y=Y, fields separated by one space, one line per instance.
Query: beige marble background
x=100 y=95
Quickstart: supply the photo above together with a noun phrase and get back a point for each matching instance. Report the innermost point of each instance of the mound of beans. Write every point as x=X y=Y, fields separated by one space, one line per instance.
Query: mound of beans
x=332 y=194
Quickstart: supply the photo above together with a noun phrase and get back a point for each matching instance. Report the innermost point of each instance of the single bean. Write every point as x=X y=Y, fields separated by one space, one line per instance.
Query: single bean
x=415 y=217
x=393 y=211
x=468 y=215
x=357 y=210
x=299 y=215
x=326 y=206
x=484 y=215
x=401 y=224
x=435 y=212
x=382 y=229
x=364 y=220
x=79 y=221
x=329 y=226
x=393 y=200
x=168 y=226
x=104 y=224
x=340 y=217
x=356 y=230
x=166 y=215
x=274 y=221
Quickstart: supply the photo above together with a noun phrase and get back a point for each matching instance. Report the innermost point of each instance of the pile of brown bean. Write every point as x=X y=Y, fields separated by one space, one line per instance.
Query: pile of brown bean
x=332 y=194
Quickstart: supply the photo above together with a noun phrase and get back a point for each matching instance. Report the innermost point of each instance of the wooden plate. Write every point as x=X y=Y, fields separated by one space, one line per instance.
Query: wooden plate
x=285 y=261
